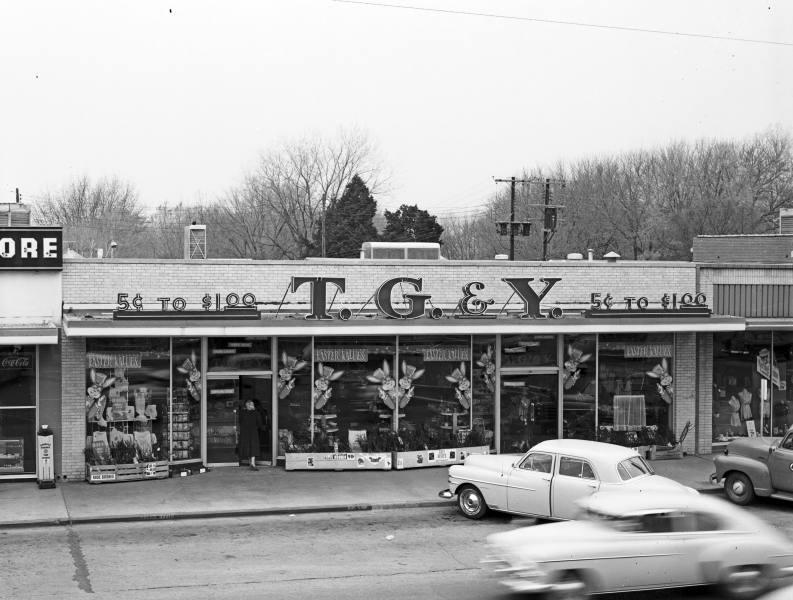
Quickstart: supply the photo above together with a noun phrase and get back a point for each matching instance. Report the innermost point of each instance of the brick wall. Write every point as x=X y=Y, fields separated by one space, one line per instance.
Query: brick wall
x=704 y=424
x=685 y=377
x=72 y=463
x=97 y=282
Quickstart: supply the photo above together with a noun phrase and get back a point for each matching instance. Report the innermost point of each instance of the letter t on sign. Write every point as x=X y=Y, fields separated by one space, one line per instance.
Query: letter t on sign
x=319 y=293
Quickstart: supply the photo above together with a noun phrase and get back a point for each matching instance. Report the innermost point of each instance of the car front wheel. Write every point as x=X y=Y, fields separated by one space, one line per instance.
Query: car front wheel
x=471 y=502
x=739 y=488
x=744 y=582
x=570 y=586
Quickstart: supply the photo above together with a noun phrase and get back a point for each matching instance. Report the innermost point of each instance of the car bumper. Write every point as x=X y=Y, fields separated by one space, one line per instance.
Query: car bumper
x=446 y=494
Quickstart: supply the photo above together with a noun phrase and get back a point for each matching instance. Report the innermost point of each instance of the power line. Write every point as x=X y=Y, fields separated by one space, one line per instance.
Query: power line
x=572 y=23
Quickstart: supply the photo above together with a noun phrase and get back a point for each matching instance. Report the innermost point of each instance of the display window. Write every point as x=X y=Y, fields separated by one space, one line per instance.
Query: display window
x=529 y=409
x=353 y=397
x=528 y=351
x=294 y=392
x=484 y=381
x=182 y=423
x=579 y=382
x=436 y=393
x=127 y=407
x=17 y=410
x=234 y=354
x=636 y=388
x=751 y=384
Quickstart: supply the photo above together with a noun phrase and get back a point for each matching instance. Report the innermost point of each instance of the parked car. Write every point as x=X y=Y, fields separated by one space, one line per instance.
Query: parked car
x=547 y=480
x=627 y=542
x=756 y=467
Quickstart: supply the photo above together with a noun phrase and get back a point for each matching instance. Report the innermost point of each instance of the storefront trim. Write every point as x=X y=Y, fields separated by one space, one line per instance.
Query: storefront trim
x=769 y=324
x=28 y=336
x=305 y=327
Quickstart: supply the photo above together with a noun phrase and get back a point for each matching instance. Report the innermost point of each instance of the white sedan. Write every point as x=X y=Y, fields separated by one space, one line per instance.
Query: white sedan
x=638 y=541
x=547 y=481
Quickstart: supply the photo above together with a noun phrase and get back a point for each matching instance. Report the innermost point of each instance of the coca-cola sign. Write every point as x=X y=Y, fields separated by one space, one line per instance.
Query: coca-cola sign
x=16 y=361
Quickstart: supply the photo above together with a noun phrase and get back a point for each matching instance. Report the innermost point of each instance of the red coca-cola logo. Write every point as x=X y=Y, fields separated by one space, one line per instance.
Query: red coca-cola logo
x=15 y=361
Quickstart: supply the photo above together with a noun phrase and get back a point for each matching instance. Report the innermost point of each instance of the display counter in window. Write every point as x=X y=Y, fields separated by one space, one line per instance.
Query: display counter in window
x=12 y=456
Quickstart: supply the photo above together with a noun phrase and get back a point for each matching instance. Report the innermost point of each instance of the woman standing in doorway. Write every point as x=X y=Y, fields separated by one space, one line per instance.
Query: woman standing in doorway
x=250 y=424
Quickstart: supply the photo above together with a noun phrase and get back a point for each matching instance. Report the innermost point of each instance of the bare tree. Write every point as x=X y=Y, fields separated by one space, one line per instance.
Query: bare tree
x=94 y=214
x=279 y=207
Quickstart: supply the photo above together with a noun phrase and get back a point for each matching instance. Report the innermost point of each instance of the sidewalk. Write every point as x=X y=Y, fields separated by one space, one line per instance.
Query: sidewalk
x=238 y=491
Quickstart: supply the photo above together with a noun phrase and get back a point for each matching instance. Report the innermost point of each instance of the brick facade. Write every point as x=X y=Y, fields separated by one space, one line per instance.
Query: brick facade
x=73 y=408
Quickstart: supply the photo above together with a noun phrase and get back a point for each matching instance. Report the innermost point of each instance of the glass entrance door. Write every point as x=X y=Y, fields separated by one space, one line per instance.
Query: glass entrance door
x=259 y=389
x=529 y=409
x=226 y=395
x=223 y=400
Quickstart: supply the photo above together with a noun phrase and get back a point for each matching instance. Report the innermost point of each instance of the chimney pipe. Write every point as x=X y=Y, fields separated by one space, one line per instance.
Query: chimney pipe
x=590 y=253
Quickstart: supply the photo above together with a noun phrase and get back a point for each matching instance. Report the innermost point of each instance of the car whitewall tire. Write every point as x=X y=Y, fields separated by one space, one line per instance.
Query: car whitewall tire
x=471 y=502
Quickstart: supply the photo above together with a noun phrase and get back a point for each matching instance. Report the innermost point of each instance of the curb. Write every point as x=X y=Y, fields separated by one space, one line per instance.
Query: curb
x=221 y=514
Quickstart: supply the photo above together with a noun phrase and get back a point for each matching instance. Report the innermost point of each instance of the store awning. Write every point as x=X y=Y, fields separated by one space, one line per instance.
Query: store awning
x=298 y=326
x=16 y=334
x=754 y=324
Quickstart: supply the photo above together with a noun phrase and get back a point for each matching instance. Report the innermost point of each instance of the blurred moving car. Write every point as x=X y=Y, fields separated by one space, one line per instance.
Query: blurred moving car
x=547 y=481
x=639 y=541
x=785 y=593
x=756 y=467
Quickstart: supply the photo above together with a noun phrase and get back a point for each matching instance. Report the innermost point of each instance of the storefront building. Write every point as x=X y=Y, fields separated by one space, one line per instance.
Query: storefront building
x=157 y=356
x=30 y=315
x=750 y=276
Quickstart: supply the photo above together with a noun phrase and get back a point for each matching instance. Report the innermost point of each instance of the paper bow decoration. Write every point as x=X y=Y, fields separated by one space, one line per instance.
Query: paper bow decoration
x=664 y=383
x=463 y=386
x=572 y=366
x=322 y=389
x=286 y=375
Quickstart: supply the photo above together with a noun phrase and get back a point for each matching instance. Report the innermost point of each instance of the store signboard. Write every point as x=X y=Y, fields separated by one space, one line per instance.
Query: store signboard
x=412 y=302
x=648 y=350
x=341 y=354
x=31 y=248
x=112 y=360
x=447 y=354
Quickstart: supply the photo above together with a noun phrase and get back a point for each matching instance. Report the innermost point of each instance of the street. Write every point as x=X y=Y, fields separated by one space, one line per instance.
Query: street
x=430 y=553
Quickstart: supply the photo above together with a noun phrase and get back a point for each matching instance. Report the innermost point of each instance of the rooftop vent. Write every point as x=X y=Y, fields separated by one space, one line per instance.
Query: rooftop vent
x=195 y=242
x=786 y=220
x=612 y=256
x=575 y=256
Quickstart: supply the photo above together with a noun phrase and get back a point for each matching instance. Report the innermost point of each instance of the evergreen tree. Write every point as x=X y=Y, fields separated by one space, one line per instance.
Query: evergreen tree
x=348 y=222
x=410 y=224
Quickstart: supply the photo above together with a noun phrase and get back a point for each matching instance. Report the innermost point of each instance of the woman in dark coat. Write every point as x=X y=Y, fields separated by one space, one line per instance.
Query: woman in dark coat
x=250 y=424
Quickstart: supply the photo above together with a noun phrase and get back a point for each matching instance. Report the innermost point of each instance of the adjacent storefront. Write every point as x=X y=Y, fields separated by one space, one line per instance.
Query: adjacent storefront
x=30 y=313
x=381 y=356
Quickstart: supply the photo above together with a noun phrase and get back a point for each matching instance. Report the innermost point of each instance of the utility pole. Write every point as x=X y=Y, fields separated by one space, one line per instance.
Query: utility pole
x=324 y=212
x=513 y=227
x=546 y=233
x=19 y=196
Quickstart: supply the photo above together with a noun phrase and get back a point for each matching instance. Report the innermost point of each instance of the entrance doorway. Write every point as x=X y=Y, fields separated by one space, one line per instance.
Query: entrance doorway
x=226 y=396
x=529 y=409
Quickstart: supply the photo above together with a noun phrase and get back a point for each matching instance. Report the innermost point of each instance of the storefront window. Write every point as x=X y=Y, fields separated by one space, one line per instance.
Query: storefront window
x=579 y=384
x=184 y=430
x=438 y=411
x=528 y=351
x=483 y=400
x=239 y=354
x=741 y=363
x=294 y=392
x=17 y=410
x=782 y=383
x=529 y=409
x=349 y=413
x=636 y=381
x=127 y=385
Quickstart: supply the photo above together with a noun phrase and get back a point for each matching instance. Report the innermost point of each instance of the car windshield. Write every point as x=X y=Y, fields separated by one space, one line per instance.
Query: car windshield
x=625 y=523
x=635 y=466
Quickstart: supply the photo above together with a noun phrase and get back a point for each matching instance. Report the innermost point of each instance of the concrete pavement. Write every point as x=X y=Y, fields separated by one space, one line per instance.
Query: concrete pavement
x=238 y=491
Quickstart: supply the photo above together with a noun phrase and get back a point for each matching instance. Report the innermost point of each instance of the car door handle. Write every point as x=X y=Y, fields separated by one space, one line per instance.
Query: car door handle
x=546 y=478
x=593 y=485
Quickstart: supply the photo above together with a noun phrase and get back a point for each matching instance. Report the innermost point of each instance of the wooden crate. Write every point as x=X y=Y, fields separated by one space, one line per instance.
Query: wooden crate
x=129 y=472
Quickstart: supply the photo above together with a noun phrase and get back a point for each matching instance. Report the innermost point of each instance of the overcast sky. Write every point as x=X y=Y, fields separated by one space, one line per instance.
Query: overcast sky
x=179 y=98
